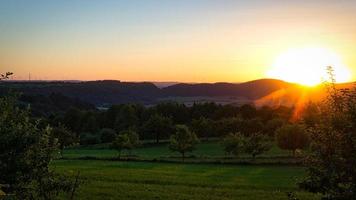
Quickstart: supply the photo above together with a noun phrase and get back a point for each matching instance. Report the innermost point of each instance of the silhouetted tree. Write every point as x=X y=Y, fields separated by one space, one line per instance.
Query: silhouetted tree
x=292 y=137
x=126 y=118
x=179 y=113
x=158 y=127
x=331 y=164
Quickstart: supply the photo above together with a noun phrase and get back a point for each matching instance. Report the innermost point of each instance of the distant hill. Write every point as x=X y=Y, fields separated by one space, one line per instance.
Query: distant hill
x=108 y=92
x=251 y=90
x=95 y=92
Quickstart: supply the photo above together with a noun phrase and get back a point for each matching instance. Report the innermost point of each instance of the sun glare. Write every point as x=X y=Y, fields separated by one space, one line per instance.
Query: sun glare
x=307 y=66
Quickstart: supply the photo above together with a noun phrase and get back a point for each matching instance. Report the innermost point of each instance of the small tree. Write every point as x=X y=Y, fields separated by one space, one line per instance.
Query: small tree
x=134 y=140
x=256 y=144
x=127 y=139
x=183 y=140
x=120 y=143
x=292 y=137
x=233 y=144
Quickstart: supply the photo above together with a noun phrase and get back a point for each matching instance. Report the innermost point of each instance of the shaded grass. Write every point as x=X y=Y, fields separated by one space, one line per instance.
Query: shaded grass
x=146 y=180
x=205 y=149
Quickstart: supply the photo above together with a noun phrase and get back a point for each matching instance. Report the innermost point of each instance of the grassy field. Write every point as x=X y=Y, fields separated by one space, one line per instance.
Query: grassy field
x=146 y=180
x=204 y=149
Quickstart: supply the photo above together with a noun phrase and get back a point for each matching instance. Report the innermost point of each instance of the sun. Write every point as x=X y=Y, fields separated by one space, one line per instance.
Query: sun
x=307 y=66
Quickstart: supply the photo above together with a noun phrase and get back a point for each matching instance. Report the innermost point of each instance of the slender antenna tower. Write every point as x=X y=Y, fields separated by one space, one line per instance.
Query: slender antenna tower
x=29 y=76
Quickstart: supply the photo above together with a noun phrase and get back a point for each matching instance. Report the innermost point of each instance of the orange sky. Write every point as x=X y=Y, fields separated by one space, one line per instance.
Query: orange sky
x=204 y=41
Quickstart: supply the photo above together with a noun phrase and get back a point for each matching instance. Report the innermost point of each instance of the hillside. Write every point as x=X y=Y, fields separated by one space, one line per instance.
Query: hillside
x=251 y=90
x=95 y=92
x=261 y=92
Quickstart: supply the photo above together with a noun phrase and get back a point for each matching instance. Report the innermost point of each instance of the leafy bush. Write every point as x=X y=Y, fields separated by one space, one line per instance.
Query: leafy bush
x=26 y=151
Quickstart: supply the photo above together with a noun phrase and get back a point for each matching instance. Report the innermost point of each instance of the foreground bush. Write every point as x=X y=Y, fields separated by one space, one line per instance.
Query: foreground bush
x=25 y=154
x=332 y=162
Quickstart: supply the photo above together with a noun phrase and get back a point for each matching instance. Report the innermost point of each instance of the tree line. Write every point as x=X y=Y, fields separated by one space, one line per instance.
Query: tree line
x=158 y=122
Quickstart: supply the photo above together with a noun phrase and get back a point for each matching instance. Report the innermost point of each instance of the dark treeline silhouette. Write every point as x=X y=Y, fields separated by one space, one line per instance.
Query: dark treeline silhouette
x=158 y=122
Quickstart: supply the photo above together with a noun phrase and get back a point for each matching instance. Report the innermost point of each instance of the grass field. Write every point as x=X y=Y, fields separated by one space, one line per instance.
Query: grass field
x=146 y=180
x=204 y=149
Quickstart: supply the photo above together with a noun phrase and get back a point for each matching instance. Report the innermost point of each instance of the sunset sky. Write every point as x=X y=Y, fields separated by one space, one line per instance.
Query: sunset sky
x=166 y=40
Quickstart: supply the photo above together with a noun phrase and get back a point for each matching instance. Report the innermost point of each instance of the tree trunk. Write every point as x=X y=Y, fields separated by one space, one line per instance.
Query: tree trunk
x=119 y=154
x=157 y=138
x=183 y=156
x=61 y=152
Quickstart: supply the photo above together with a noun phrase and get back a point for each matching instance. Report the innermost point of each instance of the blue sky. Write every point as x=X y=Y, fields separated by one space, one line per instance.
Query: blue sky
x=126 y=38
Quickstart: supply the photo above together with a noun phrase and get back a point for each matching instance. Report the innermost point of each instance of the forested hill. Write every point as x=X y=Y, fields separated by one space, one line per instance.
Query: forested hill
x=116 y=92
x=251 y=90
x=95 y=92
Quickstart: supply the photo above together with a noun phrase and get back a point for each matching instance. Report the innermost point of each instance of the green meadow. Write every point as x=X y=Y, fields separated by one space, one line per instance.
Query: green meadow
x=103 y=178
x=147 y=180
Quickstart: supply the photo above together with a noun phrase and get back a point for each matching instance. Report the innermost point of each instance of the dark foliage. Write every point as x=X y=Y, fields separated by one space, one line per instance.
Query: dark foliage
x=331 y=164
x=26 y=151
